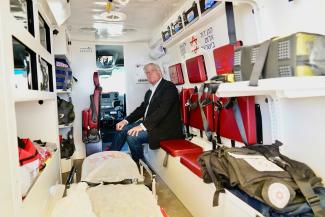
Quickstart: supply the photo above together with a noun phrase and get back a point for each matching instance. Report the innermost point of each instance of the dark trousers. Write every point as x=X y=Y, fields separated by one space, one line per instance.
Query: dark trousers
x=134 y=142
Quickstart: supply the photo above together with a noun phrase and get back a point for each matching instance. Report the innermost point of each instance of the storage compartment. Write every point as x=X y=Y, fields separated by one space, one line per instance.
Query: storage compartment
x=206 y=5
x=25 y=69
x=191 y=14
x=196 y=69
x=22 y=10
x=44 y=31
x=45 y=76
x=176 y=74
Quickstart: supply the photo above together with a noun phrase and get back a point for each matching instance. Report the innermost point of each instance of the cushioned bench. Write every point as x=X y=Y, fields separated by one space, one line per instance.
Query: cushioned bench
x=179 y=147
x=191 y=162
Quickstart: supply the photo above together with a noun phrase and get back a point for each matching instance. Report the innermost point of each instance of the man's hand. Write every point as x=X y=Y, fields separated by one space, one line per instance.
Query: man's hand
x=121 y=124
x=135 y=131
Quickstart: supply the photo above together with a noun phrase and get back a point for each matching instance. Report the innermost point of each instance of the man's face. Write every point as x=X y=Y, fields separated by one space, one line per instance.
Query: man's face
x=153 y=75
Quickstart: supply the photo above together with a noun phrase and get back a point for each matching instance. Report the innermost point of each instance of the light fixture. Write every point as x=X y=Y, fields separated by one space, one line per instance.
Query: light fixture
x=100 y=3
x=97 y=10
x=110 y=28
x=113 y=16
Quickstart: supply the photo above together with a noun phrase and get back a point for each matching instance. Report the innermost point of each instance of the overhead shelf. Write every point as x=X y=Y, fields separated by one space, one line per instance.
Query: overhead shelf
x=32 y=95
x=289 y=87
x=58 y=91
x=195 y=25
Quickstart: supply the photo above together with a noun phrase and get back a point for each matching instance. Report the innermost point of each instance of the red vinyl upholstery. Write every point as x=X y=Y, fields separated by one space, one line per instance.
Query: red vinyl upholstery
x=224 y=58
x=196 y=69
x=90 y=116
x=191 y=162
x=228 y=123
x=195 y=115
x=179 y=147
x=176 y=74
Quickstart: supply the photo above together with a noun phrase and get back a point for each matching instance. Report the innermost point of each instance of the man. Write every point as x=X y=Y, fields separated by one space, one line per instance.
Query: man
x=160 y=112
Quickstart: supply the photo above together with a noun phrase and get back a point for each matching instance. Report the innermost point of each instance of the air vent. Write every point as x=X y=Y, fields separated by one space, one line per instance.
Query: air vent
x=88 y=29
x=113 y=16
x=127 y=30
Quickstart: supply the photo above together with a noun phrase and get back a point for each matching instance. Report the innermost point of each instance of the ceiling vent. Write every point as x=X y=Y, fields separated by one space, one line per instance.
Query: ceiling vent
x=88 y=29
x=128 y=30
x=114 y=16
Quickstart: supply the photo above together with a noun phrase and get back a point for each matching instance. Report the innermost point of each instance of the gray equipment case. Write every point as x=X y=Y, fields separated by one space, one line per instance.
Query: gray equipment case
x=299 y=54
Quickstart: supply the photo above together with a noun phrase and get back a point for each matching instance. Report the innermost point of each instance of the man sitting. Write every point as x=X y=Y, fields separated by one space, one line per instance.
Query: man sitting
x=160 y=114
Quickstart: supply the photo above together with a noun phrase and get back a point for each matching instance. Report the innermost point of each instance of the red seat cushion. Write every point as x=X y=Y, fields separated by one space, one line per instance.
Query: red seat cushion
x=179 y=147
x=191 y=162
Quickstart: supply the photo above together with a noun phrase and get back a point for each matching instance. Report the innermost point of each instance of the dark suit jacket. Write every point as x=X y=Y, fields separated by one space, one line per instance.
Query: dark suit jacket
x=163 y=119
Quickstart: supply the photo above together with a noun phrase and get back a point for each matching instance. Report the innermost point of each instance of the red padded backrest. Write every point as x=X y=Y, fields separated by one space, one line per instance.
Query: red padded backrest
x=224 y=58
x=195 y=115
x=176 y=74
x=95 y=104
x=196 y=69
x=228 y=122
x=96 y=79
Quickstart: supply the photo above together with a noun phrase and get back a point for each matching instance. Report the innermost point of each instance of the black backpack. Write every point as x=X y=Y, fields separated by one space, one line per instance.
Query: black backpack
x=67 y=147
x=65 y=111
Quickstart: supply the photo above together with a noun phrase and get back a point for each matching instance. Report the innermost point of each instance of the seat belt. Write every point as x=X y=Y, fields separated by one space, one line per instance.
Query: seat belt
x=190 y=106
x=259 y=64
x=231 y=23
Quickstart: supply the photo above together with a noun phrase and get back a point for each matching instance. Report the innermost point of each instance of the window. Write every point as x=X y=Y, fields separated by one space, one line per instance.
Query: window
x=24 y=66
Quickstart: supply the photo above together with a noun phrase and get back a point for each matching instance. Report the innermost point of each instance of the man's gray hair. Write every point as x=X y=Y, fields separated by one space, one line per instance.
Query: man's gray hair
x=156 y=66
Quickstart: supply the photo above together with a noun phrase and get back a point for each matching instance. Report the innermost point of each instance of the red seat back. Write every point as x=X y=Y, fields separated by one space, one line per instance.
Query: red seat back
x=91 y=116
x=195 y=119
x=228 y=124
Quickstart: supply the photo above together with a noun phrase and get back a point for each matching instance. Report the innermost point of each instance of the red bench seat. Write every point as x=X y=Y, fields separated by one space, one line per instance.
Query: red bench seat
x=179 y=147
x=191 y=162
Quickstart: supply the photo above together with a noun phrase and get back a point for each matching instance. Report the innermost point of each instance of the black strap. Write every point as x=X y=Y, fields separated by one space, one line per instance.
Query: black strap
x=219 y=108
x=218 y=185
x=239 y=121
x=231 y=23
x=190 y=106
x=93 y=108
x=259 y=64
x=207 y=130
x=306 y=189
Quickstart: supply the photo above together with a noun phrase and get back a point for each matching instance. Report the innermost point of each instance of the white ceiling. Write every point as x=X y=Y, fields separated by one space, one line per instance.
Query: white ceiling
x=144 y=17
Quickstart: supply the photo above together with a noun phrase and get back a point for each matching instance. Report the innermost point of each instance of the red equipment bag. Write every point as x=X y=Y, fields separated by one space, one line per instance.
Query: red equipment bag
x=224 y=58
x=27 y=151
x=196 y=69
x=176 y=74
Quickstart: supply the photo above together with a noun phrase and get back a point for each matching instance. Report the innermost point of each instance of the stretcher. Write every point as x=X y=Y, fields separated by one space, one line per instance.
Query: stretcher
x=111 y=186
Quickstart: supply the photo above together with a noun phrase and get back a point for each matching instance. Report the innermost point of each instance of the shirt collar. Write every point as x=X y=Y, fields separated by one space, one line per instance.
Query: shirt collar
x=153 y=87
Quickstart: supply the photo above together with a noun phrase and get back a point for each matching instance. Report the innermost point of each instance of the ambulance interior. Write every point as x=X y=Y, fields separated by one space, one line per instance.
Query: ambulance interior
x=71 y=69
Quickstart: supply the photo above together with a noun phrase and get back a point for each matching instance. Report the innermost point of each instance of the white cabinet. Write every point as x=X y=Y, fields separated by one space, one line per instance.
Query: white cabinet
x=25 y=112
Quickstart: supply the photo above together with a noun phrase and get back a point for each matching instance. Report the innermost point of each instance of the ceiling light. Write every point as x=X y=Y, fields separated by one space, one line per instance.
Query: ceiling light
x=113 y=16
x=97 y=10
x=111 y=28
x=98 y=17
x=100 y=3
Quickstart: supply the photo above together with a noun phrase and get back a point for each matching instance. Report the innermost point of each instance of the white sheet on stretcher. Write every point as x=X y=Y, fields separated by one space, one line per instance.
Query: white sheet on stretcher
x=123 y=201
x=109 y=166
x=107 y=201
